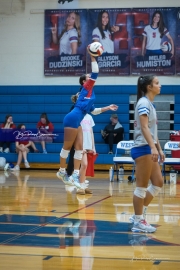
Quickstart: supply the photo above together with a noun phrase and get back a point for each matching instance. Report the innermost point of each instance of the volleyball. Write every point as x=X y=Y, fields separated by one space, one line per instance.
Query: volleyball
x=166 y=46
x=2 y=162
x=96 y=49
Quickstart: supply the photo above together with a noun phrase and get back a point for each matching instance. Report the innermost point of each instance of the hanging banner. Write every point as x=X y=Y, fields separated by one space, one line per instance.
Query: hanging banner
x=65 y=42
x=153 y=41
x=178 y=42
x=112 y=28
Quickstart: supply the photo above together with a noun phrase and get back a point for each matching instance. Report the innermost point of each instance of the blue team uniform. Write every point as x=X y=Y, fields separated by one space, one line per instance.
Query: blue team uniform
x=84 y=104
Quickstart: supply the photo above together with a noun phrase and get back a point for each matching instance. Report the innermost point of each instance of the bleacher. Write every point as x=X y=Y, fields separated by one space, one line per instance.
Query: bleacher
x=26 y=103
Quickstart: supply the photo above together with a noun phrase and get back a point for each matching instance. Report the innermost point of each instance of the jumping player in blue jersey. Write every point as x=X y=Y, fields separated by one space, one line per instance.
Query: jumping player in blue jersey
x=72 y=129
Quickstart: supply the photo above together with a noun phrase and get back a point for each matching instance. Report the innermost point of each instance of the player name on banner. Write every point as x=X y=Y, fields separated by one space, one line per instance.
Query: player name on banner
x=153 y=41
x=65 y=42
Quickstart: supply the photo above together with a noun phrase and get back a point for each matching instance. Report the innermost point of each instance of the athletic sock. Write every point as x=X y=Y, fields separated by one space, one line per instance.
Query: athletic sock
x=76 y=172
x=138 y=218
x=63 y=170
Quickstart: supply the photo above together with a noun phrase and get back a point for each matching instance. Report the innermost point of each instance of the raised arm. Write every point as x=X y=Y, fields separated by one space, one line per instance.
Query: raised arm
x=54 y=34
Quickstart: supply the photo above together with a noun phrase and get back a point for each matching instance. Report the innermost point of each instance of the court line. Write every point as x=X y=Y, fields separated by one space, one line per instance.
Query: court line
x=104 y=258
x=52 y=221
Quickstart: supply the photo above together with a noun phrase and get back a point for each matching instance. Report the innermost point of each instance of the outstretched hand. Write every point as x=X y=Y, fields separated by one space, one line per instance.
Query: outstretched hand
x=54 y=29
x=113 y=107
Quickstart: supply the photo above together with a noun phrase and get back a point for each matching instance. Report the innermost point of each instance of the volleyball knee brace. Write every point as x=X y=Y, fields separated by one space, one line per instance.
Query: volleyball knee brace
x=78 y=154
x=64 y=153
x=140 y=192
x=154 y=190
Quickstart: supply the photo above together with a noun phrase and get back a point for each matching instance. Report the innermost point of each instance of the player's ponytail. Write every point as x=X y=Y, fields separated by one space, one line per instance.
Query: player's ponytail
x=143 y=82
x=75 y=97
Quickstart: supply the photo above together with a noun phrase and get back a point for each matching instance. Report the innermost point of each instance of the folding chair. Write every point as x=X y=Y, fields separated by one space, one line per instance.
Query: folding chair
x=126 y=146
x=170 y=146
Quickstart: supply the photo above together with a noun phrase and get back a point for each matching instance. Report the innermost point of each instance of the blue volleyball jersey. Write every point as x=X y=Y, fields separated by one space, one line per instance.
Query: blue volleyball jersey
x=86 y=98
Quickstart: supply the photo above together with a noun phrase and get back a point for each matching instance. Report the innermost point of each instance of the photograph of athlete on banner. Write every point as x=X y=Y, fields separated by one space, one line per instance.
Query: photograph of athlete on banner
x=65 y=42
x=178 y=43
x=111 y=28
x=153 y=41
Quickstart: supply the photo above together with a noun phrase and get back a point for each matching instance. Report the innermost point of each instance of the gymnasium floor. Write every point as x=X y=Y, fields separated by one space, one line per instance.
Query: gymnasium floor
x=45 y=226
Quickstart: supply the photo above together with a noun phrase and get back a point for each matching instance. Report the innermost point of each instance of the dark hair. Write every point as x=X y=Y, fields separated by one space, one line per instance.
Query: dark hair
x=6 y=118
x=143 y=82
x=44 y=115
x=99 y=24
x=20 y=126
x=75 y=97
x=82 y=78
x=161 y=23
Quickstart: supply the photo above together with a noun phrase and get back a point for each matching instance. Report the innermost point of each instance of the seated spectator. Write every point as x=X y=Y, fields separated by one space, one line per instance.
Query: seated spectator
x=46 y=127
x=113 y=132
x=32 y=144
x=8 y=124
x=22 y=148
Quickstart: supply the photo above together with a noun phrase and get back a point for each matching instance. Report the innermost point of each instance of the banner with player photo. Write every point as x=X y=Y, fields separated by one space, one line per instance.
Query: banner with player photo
x=65 y=42
x=111 y=27
x=178 y=42
x=153 y=41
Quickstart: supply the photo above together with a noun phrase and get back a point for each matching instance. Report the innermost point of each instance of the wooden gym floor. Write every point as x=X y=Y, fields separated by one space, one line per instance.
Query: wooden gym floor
x=44 y=225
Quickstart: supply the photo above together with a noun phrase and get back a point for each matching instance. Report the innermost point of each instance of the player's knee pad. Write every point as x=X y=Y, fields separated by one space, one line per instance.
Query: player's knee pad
x=78 y=154
x=64 y=153
x=154 y=190
x=140 y=192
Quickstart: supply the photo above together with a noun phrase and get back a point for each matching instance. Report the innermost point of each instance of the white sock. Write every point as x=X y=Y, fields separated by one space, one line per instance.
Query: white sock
x=144 y=210
x=76 y=172
x=63 y=170
x=138 y=218
x=25 y=160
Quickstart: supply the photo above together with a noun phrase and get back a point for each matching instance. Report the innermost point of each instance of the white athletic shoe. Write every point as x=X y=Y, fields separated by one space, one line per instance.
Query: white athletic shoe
x=86 y=181
x=132 y=218
x=64 y=178
x=6 y=150
x=6 y=167
x=143 y=226
x=26 y=164
x=74 y=178
x=16 y=168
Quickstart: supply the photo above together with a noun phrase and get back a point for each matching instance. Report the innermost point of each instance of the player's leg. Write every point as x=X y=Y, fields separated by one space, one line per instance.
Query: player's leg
x=144 y=165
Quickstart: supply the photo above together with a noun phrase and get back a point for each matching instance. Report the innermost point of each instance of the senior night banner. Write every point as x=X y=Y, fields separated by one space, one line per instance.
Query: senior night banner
x=65 y=42
x=178 y=43
x=111 y=27
x=153 y=41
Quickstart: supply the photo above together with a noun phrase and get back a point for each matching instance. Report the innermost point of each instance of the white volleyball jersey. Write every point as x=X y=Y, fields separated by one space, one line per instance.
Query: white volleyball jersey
x=144 y=106
x=107 y=43
x=66 y=40
x=87 y=123
x=153 y=37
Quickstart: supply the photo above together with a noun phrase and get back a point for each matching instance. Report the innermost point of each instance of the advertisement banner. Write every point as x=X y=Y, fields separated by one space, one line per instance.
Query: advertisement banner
x=153 y=41
x=112 y=28
x=178 y=42
x=65 y=42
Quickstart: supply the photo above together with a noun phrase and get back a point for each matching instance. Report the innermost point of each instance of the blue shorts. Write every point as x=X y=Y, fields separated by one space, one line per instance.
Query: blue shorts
x=73 y=118
x=154 y=52
x=140 y=151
